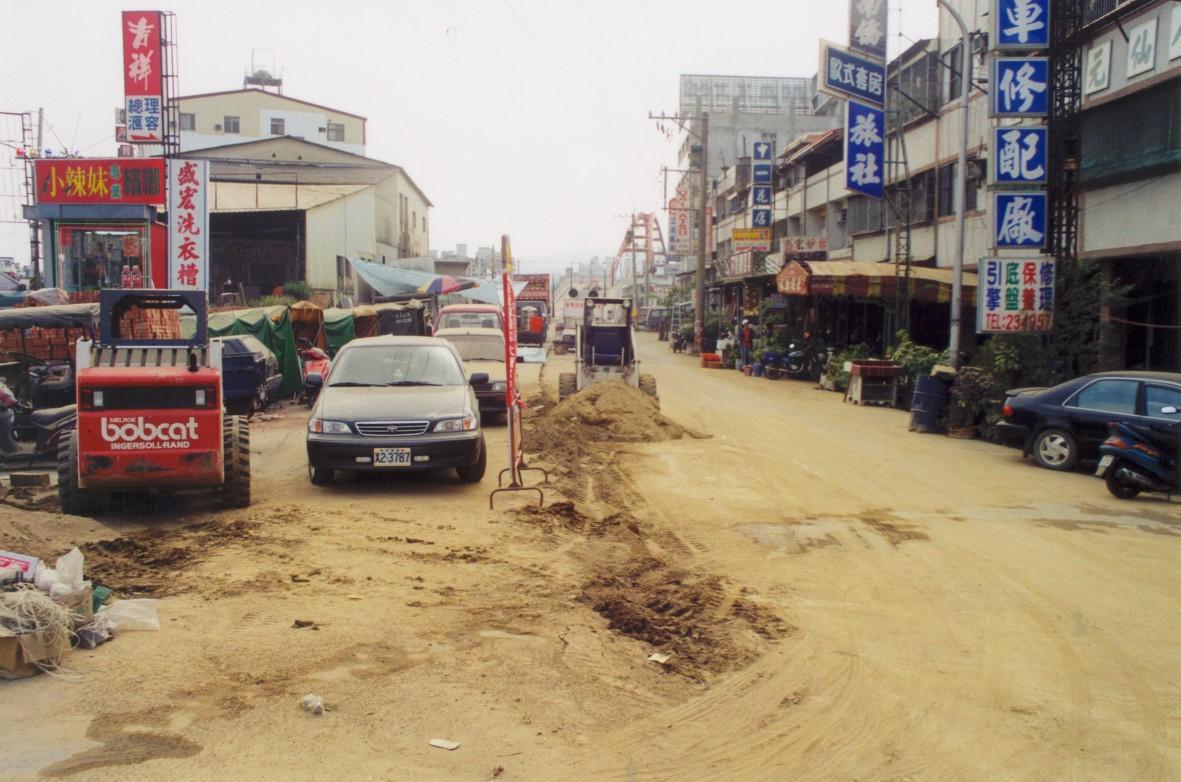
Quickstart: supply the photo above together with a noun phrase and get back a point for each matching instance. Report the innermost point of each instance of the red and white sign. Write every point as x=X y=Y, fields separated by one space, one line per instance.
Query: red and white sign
x=803 y=245
x=143 y=77
x=100 y=181
x=188 y=224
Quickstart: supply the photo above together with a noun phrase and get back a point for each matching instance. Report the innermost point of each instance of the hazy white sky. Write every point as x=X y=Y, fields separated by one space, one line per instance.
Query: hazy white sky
x=526 y=117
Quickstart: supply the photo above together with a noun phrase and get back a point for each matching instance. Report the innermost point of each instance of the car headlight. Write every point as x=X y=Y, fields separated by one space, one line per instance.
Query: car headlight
x=498 y=385
x=320 y=426
x=465 y=424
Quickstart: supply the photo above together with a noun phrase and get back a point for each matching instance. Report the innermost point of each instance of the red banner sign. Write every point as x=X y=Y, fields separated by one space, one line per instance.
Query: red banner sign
x=143 y=76
x=100 y=181
x=792 y=280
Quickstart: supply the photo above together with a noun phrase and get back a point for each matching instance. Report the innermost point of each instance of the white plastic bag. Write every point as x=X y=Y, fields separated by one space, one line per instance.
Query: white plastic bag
x=138 y=614
x=69 y=570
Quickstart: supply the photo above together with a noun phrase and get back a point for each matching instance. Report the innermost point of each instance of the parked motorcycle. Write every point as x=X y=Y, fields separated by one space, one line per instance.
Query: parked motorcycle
x=806 y=360
x=679 y=342
x=29 y=436
x=1137 y=458
x=313 y=364
x=44 y=383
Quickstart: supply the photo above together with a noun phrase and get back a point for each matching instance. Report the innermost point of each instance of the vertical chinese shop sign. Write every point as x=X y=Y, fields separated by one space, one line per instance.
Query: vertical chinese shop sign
x=1015 y=294
x=143 y=80
x=188 y=224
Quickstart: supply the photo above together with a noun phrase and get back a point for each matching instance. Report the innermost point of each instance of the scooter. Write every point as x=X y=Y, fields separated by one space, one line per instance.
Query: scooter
x=29 y=436
x=313 y=362
x=1137 y=458
x=807 y=360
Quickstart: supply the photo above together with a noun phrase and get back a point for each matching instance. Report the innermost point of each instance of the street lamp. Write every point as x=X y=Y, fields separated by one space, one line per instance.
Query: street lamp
x=957 y=285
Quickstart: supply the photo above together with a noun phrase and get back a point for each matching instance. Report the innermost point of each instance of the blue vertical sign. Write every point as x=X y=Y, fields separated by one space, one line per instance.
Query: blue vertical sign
x=1020 y=220
x=865 y=149
x=761 y=195
x=1020 y=87
x=1020 y=155
x=1021 y=24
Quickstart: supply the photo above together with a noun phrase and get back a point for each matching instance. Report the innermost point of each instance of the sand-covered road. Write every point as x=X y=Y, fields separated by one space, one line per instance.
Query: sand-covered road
x=840 y=600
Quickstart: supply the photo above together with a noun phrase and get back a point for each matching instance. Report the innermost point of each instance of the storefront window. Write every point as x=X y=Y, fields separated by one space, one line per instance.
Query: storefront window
x=93 y=256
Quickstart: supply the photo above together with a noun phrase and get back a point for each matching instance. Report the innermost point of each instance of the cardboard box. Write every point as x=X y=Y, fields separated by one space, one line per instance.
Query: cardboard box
x=22 y=562
x=13 y=662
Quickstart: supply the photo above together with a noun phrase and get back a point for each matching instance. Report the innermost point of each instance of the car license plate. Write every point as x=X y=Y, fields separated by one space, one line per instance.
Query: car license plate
x=391 y=457
x=1104 y=463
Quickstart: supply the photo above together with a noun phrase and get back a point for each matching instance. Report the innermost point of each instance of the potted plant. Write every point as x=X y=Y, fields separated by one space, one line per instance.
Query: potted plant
x=971 y=394
x=916 y=360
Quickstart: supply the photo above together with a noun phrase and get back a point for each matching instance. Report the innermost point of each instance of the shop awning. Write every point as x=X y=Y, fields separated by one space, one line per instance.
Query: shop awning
x=866 y=279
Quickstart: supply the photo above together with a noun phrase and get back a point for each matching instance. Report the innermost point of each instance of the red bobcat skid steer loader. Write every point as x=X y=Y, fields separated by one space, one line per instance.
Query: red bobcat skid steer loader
x=150 y=417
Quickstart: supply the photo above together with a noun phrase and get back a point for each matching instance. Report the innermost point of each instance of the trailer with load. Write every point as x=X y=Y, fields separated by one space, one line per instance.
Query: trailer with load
x=150 y=417
x=534 y=306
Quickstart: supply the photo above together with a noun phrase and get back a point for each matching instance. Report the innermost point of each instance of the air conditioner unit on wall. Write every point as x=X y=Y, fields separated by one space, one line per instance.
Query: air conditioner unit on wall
x=217 y=127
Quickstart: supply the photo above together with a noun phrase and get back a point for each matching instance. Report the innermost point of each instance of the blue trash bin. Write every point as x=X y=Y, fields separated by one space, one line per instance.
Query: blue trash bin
x=926 y=407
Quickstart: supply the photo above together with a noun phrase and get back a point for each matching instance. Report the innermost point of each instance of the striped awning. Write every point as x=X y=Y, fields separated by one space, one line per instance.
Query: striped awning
x=869 y=280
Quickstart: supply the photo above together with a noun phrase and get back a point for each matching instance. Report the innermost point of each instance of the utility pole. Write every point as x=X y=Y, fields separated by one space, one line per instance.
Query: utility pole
x=702 y=236
x=631 y=235
x=957 y=285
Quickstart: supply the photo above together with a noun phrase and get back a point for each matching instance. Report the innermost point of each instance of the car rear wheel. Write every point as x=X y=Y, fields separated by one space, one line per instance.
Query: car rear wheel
x=1055 y=449
x=320 y=476
x=1119 y=488
x=475 y=473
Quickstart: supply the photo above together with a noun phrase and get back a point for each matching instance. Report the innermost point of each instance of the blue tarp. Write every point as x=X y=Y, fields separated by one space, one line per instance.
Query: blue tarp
x=393 y=281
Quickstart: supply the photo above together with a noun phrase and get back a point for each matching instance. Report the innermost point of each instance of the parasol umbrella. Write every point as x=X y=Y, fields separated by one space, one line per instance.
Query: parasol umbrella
x=444 y=284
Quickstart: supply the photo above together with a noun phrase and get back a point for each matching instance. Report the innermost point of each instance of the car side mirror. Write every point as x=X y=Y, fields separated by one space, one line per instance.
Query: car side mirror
x=1169 y=410
x=478 y=378
x=314 y=380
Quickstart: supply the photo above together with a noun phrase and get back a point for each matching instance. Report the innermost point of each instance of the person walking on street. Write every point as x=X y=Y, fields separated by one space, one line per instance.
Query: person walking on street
x=746 y=341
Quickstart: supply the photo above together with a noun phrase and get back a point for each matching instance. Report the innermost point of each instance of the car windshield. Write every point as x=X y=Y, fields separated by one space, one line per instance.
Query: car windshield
x=396 y=365
x=477 y=347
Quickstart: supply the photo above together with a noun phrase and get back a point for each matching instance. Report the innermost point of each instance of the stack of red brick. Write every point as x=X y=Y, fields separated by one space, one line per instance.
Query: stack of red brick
x=58 y=343
x=150 y=324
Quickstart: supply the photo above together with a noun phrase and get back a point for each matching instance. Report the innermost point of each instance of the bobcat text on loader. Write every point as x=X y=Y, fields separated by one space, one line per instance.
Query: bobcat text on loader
x=606 y=349
x=150 y=417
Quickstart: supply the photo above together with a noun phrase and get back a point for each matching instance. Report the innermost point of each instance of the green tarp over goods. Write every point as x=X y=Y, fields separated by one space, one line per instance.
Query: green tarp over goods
x=338 y=329
x=272 y=325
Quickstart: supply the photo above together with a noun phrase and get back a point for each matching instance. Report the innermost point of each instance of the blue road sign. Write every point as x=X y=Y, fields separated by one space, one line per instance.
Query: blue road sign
x=1020 y=155
x=760 y=218
x=865 y=149
x=1021 y=24
x=763 y=150
x=761 y=173
x=760 y=195
x=1020 y=219
x=849 y=75
x=1020 y=87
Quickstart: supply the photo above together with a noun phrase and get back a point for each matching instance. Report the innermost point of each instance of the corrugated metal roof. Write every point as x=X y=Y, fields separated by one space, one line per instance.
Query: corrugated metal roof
x=247 y=197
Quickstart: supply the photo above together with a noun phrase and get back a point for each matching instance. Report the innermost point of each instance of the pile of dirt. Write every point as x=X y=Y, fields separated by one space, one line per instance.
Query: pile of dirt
x=682 y=613
x=150 y=562
x=606 y=412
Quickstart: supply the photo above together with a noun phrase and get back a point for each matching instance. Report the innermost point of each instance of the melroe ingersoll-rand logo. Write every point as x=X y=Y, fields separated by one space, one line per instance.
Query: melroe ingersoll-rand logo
x=136 y=434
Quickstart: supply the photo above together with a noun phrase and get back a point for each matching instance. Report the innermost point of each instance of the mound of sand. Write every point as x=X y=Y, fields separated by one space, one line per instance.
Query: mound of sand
x=605 y=412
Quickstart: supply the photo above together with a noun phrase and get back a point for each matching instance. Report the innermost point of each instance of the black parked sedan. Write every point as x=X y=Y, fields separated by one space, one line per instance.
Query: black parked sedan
x=396 y=403
x=1062 y=425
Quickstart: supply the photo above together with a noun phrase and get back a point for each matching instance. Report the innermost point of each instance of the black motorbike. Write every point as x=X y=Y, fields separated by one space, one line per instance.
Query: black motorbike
x=43 y=383
x=806 y=360
x=29 y=436
x=679 y=342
